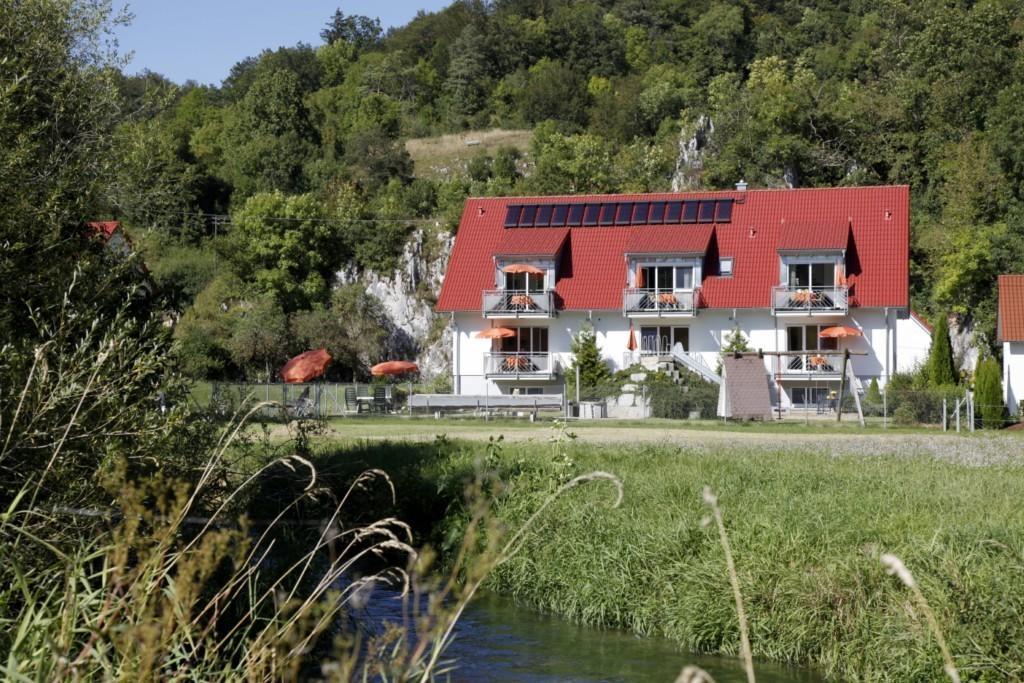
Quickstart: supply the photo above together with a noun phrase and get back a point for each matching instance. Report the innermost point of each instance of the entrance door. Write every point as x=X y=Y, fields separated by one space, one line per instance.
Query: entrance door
x=659 y=339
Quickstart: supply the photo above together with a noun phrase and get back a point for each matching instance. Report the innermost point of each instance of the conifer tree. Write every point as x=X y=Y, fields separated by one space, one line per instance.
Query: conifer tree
x=586 y=355
x=874 y=395
x=988 y=393
x=941 y=371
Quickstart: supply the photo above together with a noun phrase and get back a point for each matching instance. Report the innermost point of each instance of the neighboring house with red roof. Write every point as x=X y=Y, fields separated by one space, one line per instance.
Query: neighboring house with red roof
x=678 y=272
x=1010 y=331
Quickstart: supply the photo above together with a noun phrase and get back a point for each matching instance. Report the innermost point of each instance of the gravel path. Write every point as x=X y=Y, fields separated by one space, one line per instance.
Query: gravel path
x=977 y=449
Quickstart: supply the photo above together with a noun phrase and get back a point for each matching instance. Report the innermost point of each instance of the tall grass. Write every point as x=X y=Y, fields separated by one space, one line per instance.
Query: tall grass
x=809 y=530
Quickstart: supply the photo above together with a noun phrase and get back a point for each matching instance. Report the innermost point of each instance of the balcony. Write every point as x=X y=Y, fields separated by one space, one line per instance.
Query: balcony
x=518 y=303
x=519 y=366
x=657 y=303
x=820 y=364
x=810 y=300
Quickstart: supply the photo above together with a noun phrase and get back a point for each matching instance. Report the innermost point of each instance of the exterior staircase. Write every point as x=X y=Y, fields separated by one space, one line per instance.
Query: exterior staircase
x=693 y=363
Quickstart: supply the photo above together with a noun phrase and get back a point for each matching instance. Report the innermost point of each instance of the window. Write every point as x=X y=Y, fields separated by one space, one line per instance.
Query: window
x=665 y=278
x=805 y=338
x=662 y=338
x=808 y=396
x=559 y=214
x=512 y=217
x=526 y=218
x=725 y=267
x=590 y=215
x=527 y=340
x=526 y=282
x=812 y=275
x=608 y=214
x=673 y=212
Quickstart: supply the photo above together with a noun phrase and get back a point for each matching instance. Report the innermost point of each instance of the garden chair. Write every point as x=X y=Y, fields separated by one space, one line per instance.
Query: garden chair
x=380 y=399
x=351 y=404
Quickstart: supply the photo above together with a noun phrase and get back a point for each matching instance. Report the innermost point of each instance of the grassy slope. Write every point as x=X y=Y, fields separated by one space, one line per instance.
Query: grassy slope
x=807 y=531
x=438 y=157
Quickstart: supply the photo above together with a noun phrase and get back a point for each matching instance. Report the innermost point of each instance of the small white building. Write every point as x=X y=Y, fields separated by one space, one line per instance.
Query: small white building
x=1011 y=333
x=678 y=273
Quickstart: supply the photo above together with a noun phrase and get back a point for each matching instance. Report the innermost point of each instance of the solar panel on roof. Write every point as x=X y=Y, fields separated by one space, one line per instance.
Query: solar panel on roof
x=672 y=212
x=543 y=216
x=707 y=212
x=591 y=214
x=723 y=213
x=512 y=217
x=640 y=213
x=657 y=213
x=559 y=214
x=527 y=216
x=689 y=212
x=624 y=213
x=608 y=214
x=575 y=215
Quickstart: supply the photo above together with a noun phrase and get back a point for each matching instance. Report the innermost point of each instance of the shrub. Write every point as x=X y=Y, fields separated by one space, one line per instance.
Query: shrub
x=676 y=401
x=988 y=394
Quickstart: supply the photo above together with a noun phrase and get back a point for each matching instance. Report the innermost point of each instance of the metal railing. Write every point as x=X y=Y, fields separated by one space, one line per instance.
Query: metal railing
x=812 y=363
x=810 y=299
x=515 y=303
x=660 y=301
x=518 y=364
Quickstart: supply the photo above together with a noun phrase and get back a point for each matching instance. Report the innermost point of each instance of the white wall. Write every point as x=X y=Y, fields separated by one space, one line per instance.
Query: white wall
x=914 y=342
x=1013 y=375
x=707 y=331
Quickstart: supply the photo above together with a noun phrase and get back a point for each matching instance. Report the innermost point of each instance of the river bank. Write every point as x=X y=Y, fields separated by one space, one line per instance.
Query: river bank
x=807 y=530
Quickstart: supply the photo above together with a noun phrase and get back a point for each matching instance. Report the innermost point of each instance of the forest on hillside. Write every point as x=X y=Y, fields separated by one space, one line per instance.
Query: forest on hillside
x=246 y=198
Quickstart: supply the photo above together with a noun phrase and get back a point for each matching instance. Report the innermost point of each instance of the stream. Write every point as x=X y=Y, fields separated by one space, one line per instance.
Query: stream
x=498 y=640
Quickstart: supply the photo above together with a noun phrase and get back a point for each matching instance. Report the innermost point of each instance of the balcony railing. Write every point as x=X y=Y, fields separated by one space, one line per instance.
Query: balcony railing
x=810 y=299
x=813 y=363
x=513 y=365
x=518 y=303
x=658 y=301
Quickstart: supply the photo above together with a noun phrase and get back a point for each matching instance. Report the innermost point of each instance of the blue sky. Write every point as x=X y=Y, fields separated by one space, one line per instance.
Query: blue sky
x=202 y=39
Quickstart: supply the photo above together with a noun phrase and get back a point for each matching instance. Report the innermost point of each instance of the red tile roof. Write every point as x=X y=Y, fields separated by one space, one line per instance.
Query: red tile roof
x=669 y=239
x=532 y=242
x=794 y=236
x=592 y=270
x=1011 y=308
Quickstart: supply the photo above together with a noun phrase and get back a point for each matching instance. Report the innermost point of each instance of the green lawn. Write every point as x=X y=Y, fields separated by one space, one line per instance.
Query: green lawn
x=807 y=530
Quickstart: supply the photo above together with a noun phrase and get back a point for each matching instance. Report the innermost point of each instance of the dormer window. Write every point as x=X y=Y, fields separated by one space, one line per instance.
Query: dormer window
x=811 y=275
x=725 y=267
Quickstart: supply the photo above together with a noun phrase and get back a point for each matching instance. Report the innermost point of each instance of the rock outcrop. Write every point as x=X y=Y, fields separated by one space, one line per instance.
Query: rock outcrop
x=407 y=296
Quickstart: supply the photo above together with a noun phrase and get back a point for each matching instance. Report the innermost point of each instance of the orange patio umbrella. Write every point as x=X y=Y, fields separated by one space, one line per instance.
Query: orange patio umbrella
x=839 y=332
x=393 y=367
x=639 y=278
x=496 y=333
x=523 y=268
x=306 y=366
x=631 y=344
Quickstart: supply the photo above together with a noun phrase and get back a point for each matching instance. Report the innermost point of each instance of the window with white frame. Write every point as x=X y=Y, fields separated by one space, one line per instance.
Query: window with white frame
x=811 y=275
x=725 y=266
x=665 y=278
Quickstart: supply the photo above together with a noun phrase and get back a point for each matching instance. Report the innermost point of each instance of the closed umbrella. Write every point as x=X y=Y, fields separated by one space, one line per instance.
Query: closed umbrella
x=393 y=367
x=306 y=366
x=496 y=333
x=639 y=278
x=839 y=332
x=631 y=344
x=523 y=268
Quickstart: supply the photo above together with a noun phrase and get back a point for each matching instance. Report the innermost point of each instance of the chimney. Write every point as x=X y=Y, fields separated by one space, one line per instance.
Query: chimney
x=741 y=186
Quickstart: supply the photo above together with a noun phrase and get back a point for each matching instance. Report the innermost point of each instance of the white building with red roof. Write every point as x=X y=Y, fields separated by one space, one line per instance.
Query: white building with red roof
x=1010 y=331
x=679 y=272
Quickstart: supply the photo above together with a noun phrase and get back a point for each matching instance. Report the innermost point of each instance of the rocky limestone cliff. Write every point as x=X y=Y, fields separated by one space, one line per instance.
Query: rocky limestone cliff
x=407 y=295
x=693 y=139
